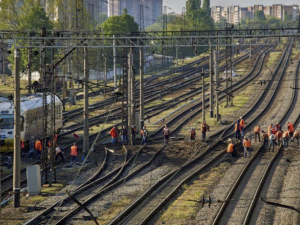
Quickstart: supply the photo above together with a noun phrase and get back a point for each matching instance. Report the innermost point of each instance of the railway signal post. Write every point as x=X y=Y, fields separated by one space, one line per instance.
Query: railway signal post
x=17 y=149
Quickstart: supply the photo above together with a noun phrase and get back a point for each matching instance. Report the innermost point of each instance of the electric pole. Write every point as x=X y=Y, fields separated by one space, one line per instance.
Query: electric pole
x=216 y=57
x=231 y=72
x=105 y=74
x=130 y=92
x=29 y=66
x=141 y=88
x=86 y=103
x=211 y=73
x=17 y=150
x=203 y=95
x=115 y=62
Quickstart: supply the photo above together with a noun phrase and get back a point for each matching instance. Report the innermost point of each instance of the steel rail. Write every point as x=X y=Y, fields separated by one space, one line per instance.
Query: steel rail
x=237 y=182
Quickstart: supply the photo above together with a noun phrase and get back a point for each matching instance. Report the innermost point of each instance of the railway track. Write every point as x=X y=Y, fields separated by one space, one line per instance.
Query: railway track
x=61 y=221
x=145 y=207
x=115 y=113
x=94 y=189
x=149 y=94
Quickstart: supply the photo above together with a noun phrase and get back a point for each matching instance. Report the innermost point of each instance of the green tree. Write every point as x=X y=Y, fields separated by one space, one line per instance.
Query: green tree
x=102 y=17
x=206 y=7
x=192 y=8
x=259 y=15
x=120 y=24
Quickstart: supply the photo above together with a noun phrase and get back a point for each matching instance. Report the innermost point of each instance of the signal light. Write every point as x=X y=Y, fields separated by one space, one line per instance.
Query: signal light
x=35 y=52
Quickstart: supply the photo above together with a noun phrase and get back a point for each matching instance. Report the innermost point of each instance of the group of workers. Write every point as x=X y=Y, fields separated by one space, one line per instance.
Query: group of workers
x=36 y=148
x=115 y=132
x=274 y=136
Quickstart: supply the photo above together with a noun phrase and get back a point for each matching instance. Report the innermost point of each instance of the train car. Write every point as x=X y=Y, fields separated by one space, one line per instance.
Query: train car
x=31 y=119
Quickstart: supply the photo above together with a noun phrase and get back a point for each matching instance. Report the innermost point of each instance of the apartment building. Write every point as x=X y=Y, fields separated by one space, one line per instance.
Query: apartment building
x=235 y=14
x=144 y=12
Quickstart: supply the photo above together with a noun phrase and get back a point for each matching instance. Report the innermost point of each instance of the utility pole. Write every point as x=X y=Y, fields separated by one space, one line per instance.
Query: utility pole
x=72 y=92
x=115 y=62
x=130 y=92
x=231 y=74
x=17 y=150
x=226 y=77
x=64 y=85
x=141 y=88
x=211 y=73
x=105 y=73
x=29 y=66
x=216 y=63
x=203 y=95
x=86 y=103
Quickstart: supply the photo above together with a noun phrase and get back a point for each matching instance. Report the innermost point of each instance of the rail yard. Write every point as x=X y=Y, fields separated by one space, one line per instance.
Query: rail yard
x=178 y=169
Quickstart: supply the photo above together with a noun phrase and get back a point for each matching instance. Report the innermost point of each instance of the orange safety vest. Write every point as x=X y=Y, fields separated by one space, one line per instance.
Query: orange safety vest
x=230 y=147
x=73 y=150
x=192 y=133
x=242 y=123
x=279 y=134
x=236 y=128
x=247 y=144
x=286 y=134
x=257 y=129
x=291 y=127
x=22 y=144
x=269 y=130
x=113 y=133
x=38 y=145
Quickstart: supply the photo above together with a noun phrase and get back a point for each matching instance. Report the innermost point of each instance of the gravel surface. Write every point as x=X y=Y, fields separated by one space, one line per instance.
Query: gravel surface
x=263 y=213
x=115 y=201
x=290 y=194
x=206 y=214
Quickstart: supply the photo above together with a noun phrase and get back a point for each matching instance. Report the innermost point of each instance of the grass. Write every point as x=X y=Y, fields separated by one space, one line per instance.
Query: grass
x=273 y=58
x=186 y=207
x=16 y=216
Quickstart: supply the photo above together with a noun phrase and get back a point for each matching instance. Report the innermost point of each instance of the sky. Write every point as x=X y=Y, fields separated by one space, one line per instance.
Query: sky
x=176 y=5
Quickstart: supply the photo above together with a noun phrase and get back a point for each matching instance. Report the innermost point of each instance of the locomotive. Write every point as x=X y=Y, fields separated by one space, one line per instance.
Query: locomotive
x=31 y=119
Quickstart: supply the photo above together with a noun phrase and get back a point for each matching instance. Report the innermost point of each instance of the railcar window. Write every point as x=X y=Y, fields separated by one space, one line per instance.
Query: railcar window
x=8 y=121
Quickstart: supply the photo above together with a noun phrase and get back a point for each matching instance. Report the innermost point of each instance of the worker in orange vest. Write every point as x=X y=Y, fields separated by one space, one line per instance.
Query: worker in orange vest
x=74 y=152
x=237 y=130
x=242 y=123
x=270 y=129
x=279 y=137
x=192 y=134
x=257 y=133
x=114 y=135
x=286 y=137
x=38 y=148
x=296 y=135
x=231 y=149
x=290 y=129
x=247 y=147
x=265 y=139
x=277 y=127
x=204 y=129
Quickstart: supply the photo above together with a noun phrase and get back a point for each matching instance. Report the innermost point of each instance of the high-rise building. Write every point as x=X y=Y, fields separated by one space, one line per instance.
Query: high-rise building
x=144 y=12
